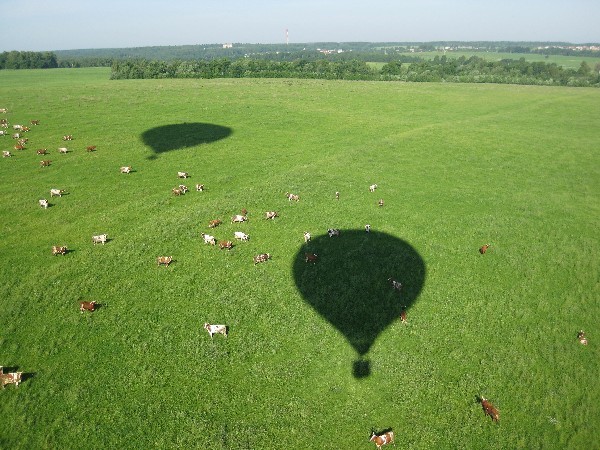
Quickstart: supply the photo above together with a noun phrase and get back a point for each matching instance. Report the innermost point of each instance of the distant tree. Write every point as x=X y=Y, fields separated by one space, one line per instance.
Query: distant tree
x=584 y=69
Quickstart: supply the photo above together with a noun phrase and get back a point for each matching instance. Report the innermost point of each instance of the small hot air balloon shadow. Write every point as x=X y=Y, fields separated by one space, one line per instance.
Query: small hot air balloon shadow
x=167 y=138
x=349 y=287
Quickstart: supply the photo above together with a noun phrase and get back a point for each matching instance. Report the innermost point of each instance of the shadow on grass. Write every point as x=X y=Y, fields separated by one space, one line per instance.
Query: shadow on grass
x=348 y=285
x=177 y=136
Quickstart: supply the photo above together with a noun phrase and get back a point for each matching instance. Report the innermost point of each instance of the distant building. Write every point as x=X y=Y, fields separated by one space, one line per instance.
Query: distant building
x=227 y=45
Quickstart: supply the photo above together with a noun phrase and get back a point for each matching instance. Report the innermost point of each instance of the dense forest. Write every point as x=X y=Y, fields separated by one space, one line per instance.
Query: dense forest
x=348 y=61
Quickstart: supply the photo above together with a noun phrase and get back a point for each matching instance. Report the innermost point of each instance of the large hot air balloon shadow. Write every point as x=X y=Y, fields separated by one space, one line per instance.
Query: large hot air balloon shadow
x=348 y=284
x=182 y=135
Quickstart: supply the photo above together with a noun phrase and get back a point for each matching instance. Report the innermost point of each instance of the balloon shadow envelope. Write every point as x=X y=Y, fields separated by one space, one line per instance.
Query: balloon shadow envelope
x=349 y=287
x=166 y=138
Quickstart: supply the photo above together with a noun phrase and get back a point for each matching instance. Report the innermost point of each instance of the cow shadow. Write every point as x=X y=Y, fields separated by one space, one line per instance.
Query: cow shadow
x=348 y=285
x=166 y=138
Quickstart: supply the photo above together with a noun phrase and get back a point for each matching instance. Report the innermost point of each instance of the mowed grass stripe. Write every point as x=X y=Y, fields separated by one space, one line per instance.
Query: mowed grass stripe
x=457 y=165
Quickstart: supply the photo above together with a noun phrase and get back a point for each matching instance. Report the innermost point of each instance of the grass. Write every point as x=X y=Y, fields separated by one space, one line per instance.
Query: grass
x=457 y=165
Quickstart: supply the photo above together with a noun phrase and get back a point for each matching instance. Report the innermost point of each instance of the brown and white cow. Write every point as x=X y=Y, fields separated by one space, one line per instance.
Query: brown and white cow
x=225 y=244
x=182 y=174
x=382 y=439
x=484 y=249
x=90 y=148
x=214 y=223
x=58 y=192
x=59 y=250
x=215 y=329
x=165 y=260
x=3 y=110
x=380 y=202
x=310 y=257
x=67 y=137
x=291 y=197
x=306 y=236
x=45 y=163
x=100 y=239
x=183 y=188
x=208 y=239
x=10 y=378
x=238 y=218
x=199 y=187
x=333 y=232
x=87 y=306
x=43 y=203
x=261 y=258
x=42 y=151
x=19 y=147
x=368 y=228
x=34 y=122
x=271 y=214
x=581 y=338
x=489 y=409
x=125 y=169
x=337 y=195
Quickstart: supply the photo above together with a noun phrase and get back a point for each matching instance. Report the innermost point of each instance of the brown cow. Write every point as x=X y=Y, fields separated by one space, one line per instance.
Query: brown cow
x=87 y=306
x=403 y=315
x=177 y=191
x=225 y=244
x=58 y=250
x=91 y=148
x=310 y=257
x=489 y=409
x=261 y=258
x=42 y=151
x=45 y=163
x=214 y=223
x=35 y=122
x=380 y=202
x=484 y=248
x=382 y=439
x=10 y=378
x=166 y=260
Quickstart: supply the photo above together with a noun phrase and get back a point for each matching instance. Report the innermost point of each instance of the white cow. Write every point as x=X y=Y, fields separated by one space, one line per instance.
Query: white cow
x=306 y=236
x=241 y=236
x=208 y=239
x=216 y=329
x=372 y=188
x=43 y=203
x=99 y=239
x=238 y=218
x=126 y=169
x=182 y=174
x=6 y=154
x=58 y=192
x=63 y=150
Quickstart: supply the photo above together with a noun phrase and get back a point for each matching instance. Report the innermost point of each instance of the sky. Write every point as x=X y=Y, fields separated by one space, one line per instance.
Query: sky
x=46 y=25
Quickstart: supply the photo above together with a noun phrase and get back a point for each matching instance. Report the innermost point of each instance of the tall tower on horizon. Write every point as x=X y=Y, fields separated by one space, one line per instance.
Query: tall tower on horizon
x=287 y=37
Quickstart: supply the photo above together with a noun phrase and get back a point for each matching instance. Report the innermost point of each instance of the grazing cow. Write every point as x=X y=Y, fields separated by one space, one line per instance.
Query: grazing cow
x=43 y=203
x=10 y=378
x=182 y=174
x=17 y=127
x=403 y=315
x=19 y=147
x=333 y=232
x=183 y=188
x=241 y=236
x=58 y=192
x=3 y=133
x=125 y=169
x=261 y=258
x=35 y=122
x=310 y=257
x=166 y=260
x=395 y=284
x=306 y=236
x=87 y=306
x=226 y=244
x=382 y=439
x=100 y=239
x=368 y=228
x=3 y=110
x=238 y=218
x=58 y=250
x=6 y=154
x=45 y=163
x=25 y=129
x=199 y=187
x=216 y=329
x=582 y=339
x=42 y=151
x=271 y=215
x=244 y=212
x=208 y=239
x=91 y=148
x=292 y=197
x=337 y=195
x=372 y=188
x=489 y=409
x=63 y=150
x=484 y=248
x=67 y=137
x=16 y=136
x=22 y=141
x=177 y=191
x=380 y=202
x=214 y=223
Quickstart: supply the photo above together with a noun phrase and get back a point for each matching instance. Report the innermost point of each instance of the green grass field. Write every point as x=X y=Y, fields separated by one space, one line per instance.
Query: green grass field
x=457 y=165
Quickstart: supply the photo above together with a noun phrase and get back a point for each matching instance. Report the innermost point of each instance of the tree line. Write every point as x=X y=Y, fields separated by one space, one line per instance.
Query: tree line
x=439 y=69
x=28 y=60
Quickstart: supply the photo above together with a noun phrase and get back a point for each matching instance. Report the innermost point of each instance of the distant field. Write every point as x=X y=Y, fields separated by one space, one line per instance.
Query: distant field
x=572 y=62
x=316 y=355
